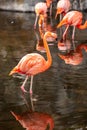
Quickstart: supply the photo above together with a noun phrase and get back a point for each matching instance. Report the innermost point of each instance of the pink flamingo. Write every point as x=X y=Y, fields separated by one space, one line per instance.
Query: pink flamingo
x=40 y=9
x=34 y=63
x=72 y=18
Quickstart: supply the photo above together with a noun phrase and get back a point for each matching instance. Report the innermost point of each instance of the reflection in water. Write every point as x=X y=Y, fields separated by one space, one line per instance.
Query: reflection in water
x=61 y=91
x=74 y=57
x=35 y=120
x=64 y=45
x=39 y=37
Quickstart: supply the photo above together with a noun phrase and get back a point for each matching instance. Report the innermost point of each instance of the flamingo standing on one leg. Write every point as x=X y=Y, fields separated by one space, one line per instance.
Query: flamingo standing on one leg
x=34 y=63
x=63 y=6
x=72 y=18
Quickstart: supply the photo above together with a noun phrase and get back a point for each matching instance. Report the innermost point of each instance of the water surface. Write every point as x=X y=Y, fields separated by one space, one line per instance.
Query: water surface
x=61 y=91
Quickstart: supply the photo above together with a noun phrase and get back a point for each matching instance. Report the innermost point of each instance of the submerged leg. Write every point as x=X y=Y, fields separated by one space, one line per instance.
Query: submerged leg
x=22 y=87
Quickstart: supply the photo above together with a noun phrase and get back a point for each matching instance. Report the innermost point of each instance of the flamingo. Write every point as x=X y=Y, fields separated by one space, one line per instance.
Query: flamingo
x=40 y=9
x=34 y=63
x=74 y=57
x=63 y=6
x=72 y=18
x=35 y=120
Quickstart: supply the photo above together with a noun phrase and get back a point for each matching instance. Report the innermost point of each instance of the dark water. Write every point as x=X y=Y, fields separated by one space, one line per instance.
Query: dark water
x=61 y=91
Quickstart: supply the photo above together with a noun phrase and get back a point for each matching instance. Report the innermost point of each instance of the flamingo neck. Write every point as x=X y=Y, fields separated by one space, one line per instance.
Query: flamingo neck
x=84 y=26
x=49 y=57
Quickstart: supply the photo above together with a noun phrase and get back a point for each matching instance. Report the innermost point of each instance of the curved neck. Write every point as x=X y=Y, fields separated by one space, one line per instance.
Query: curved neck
x=49 y=58
x=84 y=26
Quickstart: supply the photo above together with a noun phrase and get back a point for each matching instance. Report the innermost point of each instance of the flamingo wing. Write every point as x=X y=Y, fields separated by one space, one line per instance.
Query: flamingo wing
x=31 y=64
x=73 y=18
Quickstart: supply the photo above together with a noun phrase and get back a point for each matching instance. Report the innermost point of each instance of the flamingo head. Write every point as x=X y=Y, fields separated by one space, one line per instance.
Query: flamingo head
x=48 y=2
x=41 y=8
x=59 y=11
x=50 y=34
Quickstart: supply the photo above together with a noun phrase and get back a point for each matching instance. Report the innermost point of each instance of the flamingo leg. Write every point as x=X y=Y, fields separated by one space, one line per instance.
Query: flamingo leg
x=51 y=9
x=31 y=83
x=30 y=91
x=22 y=87
x=65 y=32
x=73 y=35
x=35 y=21
x=61 y=29
x=60 y=17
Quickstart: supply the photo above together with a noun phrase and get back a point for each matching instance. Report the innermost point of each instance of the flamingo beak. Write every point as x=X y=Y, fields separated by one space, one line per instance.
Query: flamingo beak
x=59 y=25
x=59 y=11
x=63 y=22
x=14 y=70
